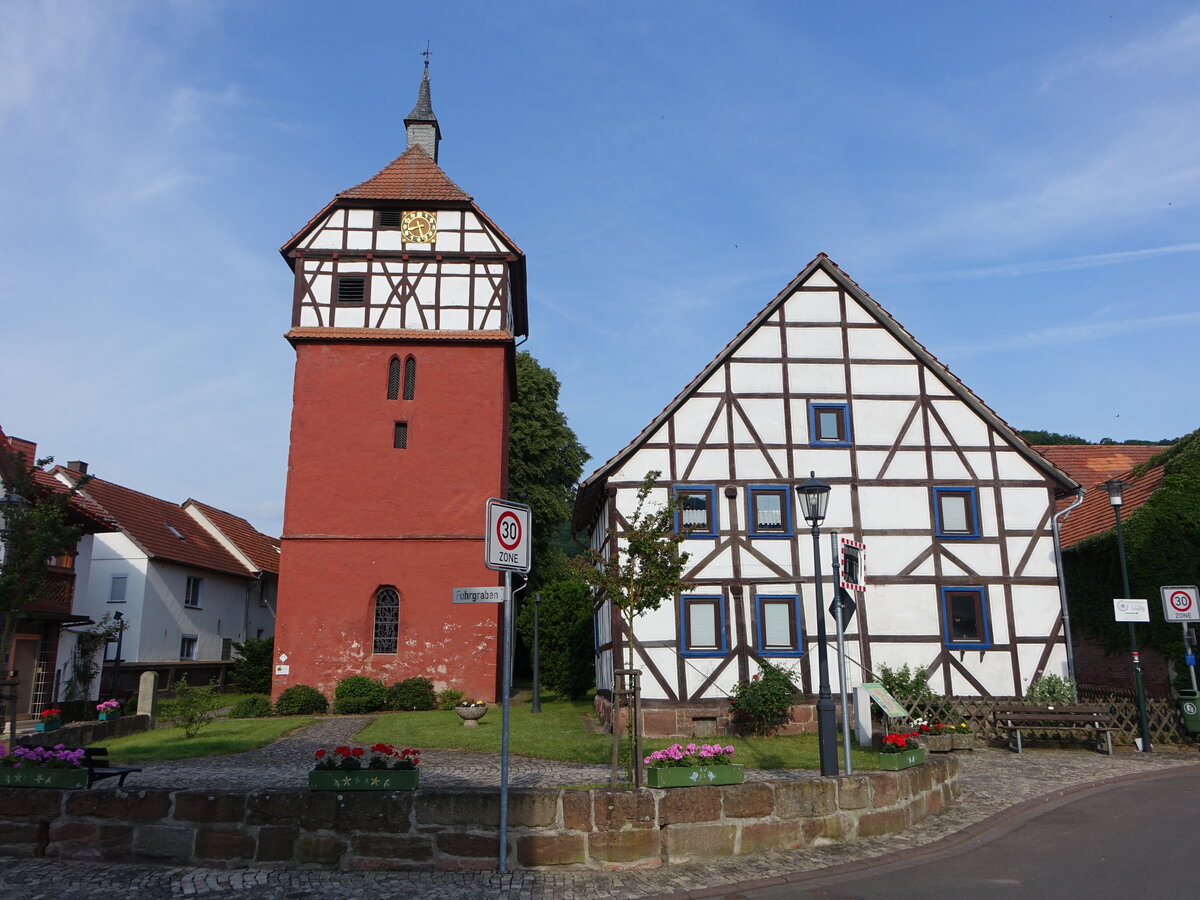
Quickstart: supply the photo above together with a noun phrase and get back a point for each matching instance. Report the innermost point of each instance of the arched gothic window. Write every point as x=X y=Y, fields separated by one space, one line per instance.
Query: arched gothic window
x=387 y=620
x=410 y=378
x=394 y=379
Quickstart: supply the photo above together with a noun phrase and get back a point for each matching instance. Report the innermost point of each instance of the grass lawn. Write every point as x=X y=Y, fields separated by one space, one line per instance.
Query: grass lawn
x=222 y=737
x=559 y=733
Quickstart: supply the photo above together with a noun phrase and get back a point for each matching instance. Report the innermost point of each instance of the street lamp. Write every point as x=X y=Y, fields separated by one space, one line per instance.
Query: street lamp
x=1115 y=499
x=814 y=498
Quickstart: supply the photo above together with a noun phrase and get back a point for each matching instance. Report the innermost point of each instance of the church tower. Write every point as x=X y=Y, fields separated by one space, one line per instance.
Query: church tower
x=406 y=305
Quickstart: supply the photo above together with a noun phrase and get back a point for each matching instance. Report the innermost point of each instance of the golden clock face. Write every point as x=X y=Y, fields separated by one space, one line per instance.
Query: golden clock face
x=419 y=227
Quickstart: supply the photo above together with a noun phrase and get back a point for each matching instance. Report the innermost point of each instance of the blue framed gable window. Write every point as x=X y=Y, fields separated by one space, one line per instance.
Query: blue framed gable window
x=965 y=622
x=696 y=511
x=702 y=625
x=956 y=513
x=829 y=425
x=777 y=625
x=769 y=511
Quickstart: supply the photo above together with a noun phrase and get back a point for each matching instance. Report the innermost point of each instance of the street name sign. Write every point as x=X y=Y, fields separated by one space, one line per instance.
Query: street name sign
x=1131 y=610
x=491 y=594
x=1180 y=603
x=507 y=539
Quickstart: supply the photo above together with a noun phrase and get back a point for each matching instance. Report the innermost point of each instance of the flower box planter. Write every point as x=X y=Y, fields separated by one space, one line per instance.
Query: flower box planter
x=688 y=776
x=470 y=714
x=939 y=743
x=964 y=741
x=893 y=762
x=109 y=716
x=364 y=780
x=41 y=776
x=47 y=725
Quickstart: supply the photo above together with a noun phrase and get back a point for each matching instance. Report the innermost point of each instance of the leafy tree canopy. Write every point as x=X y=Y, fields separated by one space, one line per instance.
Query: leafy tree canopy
x=1049 y=438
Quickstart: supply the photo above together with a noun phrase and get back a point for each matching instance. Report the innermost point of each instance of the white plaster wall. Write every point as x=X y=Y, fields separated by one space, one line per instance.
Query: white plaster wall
x=813 y=306
x=166 y=619
x=816 y=378
x=898 y=379
x=815 y=343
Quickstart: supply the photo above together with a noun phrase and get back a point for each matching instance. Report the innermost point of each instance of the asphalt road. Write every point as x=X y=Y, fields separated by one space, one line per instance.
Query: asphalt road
x=1133 y=840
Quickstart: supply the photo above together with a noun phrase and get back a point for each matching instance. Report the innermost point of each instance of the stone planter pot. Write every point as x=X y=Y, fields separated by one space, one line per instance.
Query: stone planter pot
x=470 y=714
x=682 y=776
x=939 y=743
x=47 y=725
x=40 y=776
x=893 y=762
x=364 y=780
x=110 y=716
x=964 y=741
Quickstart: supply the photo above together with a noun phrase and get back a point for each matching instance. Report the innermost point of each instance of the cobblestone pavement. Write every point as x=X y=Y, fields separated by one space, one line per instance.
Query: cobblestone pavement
x=995 y=783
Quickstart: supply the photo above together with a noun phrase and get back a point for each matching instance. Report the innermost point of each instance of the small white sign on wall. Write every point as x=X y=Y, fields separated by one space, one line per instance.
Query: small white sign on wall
x=1129 y=610
x=283 y=670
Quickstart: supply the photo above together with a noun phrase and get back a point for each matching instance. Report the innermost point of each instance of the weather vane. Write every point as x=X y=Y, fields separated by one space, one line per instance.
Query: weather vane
x=426 y=53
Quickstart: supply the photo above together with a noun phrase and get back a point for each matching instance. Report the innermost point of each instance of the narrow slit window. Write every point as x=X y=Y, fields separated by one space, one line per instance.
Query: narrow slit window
x=387 y=620
x=393 y=379
x=410 y=378
x=400 y=436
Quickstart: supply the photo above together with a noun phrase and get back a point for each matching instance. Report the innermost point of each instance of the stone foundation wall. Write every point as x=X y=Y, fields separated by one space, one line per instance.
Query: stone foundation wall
x=459 y=829
x=85 y=734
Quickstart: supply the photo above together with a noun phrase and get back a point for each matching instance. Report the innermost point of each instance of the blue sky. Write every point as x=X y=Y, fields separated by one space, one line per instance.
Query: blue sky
x=1018 y=184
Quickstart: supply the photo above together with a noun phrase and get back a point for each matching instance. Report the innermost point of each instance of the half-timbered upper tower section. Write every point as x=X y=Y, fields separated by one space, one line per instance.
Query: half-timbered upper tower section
x=406 y=251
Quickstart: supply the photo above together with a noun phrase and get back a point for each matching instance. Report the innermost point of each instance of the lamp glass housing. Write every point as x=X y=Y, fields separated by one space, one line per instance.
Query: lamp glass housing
x=814 y=498
x=1114 y=489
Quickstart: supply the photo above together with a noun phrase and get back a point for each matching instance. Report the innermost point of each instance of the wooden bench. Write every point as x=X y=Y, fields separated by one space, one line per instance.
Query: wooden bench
x=96 y=761
x=1093 y=720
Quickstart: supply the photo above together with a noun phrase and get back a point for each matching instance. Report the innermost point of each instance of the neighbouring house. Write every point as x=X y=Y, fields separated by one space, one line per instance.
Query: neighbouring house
x=189 y=581
x=953 y=506
x=41 y=624
x=406 y=304
x=1161 y=526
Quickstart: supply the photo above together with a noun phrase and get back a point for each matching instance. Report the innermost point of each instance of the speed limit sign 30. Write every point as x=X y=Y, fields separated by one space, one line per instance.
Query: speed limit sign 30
x=1180 y=603
x=507 y=539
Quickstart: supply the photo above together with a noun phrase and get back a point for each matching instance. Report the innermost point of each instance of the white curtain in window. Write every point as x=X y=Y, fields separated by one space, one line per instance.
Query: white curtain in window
x=702 y=624
x=695 y=509
x=777 y=624
x=954 y=513
x=769 y=512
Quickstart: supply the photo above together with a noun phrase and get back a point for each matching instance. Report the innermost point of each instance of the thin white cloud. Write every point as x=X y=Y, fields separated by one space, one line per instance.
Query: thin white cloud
x=1077 y=334
x=1041 y=266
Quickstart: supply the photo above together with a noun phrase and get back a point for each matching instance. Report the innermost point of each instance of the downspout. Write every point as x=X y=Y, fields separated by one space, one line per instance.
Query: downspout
x=1062 y=585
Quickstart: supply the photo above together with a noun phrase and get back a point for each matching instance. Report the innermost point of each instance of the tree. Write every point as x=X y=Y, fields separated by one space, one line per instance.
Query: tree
x=1046 y=438
x=545 y=460
x=37 y=525
x=641 y=567
x=252 y=666
x=565 y=647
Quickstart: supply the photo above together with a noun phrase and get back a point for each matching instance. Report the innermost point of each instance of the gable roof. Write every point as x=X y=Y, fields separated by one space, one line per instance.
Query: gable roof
x=1092 y=465
x=260 y=549
x=83 y=512
x=590 y=490
x=161 y=529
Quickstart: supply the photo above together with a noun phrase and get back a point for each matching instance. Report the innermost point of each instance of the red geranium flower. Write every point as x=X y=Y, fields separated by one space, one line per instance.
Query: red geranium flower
x=320 y=754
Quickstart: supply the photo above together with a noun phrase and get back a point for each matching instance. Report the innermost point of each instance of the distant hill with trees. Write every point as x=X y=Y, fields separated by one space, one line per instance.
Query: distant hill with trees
x=1047 y=438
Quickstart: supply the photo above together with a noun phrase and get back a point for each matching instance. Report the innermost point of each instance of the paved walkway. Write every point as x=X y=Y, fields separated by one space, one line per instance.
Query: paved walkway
x=996 y=783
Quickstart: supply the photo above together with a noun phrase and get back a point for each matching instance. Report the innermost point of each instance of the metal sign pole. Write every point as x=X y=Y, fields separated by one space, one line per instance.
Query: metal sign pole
x=841 y=651
x=506 y=689
x=536 y=706
x=1189 y=644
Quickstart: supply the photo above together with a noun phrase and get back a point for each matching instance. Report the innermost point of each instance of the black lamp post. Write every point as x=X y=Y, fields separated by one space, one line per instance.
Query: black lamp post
x=814 y=498
x=1115 y=499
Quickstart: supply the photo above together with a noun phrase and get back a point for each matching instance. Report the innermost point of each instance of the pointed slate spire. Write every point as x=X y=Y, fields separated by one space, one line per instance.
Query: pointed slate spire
x=421 y=125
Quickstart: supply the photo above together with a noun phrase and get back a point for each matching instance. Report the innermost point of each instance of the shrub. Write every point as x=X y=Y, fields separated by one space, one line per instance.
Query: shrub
x=449 y=698
x=761 y=704
x=301 y=700
x=353 y=706
x=566 y=648
x=412 y=693
x=906 y=684
x=252 y=666
x=255 y=707
x=359 y=687
x=194 y=707
x=1052 y=689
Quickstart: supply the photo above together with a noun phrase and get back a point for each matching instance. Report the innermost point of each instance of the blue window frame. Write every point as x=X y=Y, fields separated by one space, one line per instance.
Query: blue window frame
x=702 y=625
x=956 y=513
x=829 y=425
x=777 y=625
x=696 y=510
x=965 y=622
x=768 y=511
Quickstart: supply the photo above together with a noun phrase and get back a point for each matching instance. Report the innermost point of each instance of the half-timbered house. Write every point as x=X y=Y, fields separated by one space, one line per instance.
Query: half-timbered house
x=953 y=506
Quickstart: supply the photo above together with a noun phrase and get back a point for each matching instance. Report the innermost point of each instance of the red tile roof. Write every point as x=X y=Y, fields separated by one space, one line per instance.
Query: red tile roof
x=1092 y=464
x=1095 y=515
x=413 y=175
x=149 y=521
x=87 y=514
x=262 y=550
